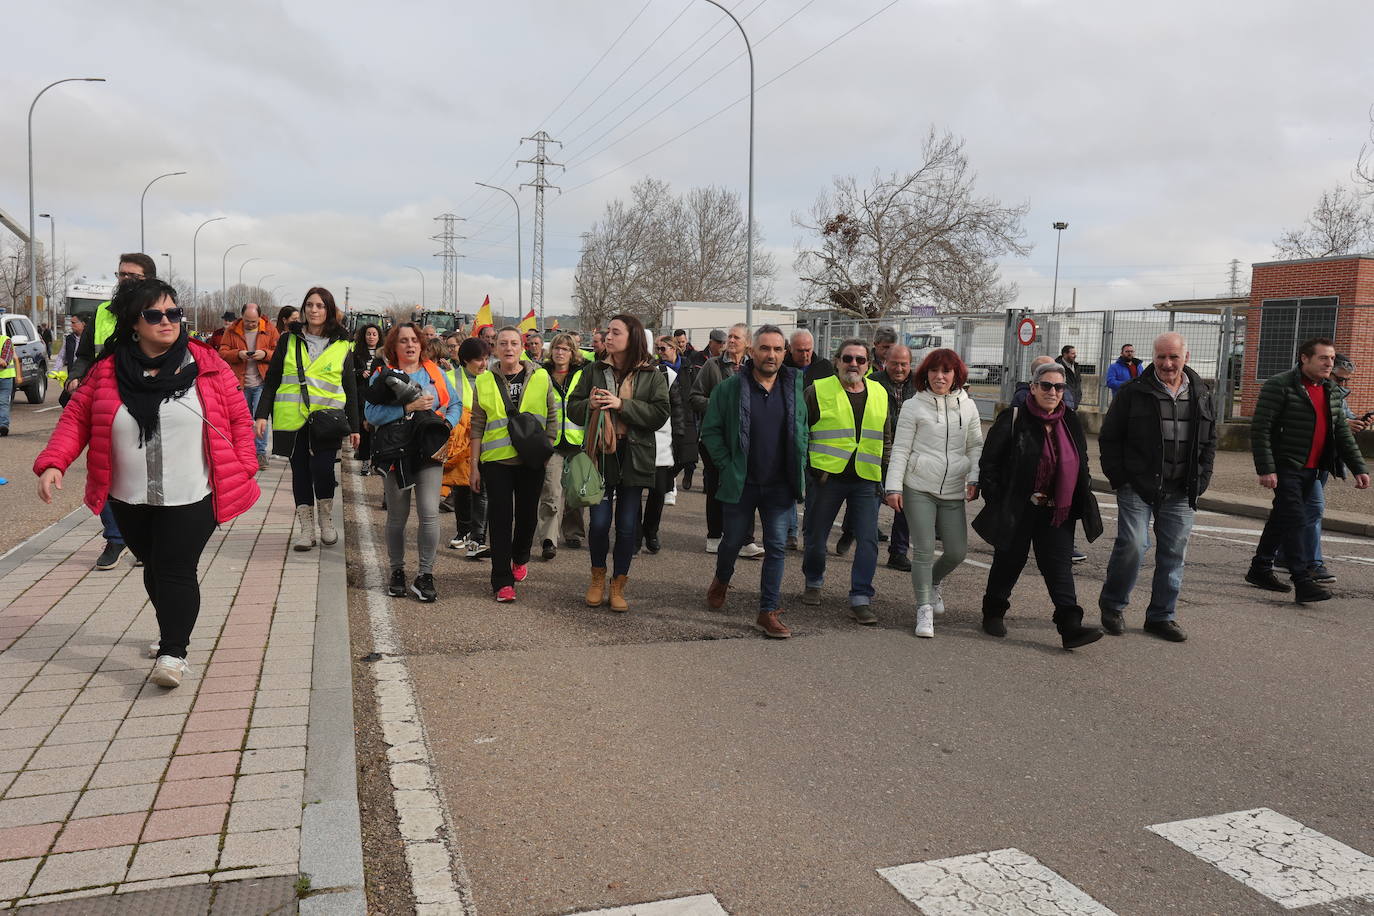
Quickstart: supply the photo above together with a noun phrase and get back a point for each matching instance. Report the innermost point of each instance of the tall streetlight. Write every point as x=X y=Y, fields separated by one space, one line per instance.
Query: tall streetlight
x=169 y=266
x=241 y=267
x=260 y=282
x=422 y=284
x=519 y=279
x=223 y=262
x=749 y=240
x=142 y=198
x=273 y=293
x=1059 y=237
x=33 y=257
x=52 y=265
x=195 y=290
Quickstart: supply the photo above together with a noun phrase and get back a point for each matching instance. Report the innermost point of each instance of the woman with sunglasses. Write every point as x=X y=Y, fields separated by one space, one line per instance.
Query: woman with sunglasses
x=1034 y=476
x=311 y=371
x=933 y=471
x=171 y=452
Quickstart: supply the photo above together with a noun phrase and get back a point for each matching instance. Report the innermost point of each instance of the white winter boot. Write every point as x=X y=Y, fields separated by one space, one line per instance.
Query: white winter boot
x=305 y=523
x=329 y=535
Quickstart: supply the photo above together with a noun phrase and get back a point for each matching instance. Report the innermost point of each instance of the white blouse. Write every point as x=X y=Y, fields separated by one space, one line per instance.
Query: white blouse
x=170 y=468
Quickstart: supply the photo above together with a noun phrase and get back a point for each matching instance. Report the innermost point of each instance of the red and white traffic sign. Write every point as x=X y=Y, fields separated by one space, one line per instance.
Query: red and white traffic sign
x=1025 y=332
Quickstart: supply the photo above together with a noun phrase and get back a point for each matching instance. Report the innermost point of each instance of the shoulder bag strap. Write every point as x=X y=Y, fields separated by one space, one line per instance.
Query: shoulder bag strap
x=300 y=371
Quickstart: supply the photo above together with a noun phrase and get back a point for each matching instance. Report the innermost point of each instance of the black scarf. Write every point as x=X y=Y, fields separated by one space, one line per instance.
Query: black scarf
x=143 y=394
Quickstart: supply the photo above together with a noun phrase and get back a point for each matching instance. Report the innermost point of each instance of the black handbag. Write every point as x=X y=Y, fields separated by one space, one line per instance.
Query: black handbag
x=527 y=434
x=326 y=428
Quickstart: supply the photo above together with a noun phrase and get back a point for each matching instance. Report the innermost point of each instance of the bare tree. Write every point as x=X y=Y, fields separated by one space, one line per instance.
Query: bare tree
x=1340 y=223
x=918 y=237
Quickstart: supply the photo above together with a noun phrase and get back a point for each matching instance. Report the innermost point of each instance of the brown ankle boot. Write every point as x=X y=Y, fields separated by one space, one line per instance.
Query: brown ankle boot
x=618 y=602
x=596 y=592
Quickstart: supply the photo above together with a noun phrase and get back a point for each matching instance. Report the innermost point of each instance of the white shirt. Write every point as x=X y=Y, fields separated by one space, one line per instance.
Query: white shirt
x=170 y=468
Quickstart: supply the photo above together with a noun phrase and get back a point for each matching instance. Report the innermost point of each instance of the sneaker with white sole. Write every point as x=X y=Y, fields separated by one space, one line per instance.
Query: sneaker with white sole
x=670 y=498
x=168 y=671
x=751 y=551
x=153 y=649
x=925 y=621
x=713 y=545
x=459 y=542
x=938 y=602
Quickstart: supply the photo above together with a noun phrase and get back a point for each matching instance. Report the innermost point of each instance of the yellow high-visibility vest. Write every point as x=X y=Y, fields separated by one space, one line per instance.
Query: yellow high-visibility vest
x=835 y=438
x=104 y=324
x=323 y=383
x=496 y=444
x=569 y=433
x=8 y=371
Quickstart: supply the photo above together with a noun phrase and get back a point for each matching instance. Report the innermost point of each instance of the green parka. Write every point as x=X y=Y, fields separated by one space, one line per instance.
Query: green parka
x=642 y=415
x=1284 y=421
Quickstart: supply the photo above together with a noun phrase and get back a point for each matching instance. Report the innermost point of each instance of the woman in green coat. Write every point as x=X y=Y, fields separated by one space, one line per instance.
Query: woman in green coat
x=630 y=397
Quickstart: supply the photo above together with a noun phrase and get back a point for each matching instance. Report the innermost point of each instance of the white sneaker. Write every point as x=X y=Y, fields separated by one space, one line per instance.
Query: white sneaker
x=712 y=545
x=925 y=621
x=153 y=648
x=458 y=543
x=670 y=498
x=168 y=671
x=938 y=602
x=751 y=551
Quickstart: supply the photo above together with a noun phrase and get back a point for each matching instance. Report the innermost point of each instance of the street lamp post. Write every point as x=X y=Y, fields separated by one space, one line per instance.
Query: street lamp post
x=241 y=267
x=260 y=282
x=169 y=266
x=1059 y=237
x=52 y=266
x=195 y=291
x=33 y=257
x=142 y=198
x=749 y=239
x=273 y=293
x=519 y=279
x=223 y=262
x=422 y=284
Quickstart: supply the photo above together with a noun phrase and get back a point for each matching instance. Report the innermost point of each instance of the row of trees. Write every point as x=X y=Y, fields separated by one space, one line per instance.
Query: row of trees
x=54 y=275
x=920 y=236
x=1342 y=222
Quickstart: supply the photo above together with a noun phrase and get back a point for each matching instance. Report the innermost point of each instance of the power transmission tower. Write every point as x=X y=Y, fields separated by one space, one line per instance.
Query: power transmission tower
x=539 y=161
x=449 y=299
x=1235 y=277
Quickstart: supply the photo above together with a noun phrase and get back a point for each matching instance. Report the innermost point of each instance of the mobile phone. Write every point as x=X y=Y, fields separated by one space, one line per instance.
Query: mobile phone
x=1367 y=417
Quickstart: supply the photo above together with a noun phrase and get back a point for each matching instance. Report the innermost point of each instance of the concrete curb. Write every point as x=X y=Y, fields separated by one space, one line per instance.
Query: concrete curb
x=36 y=543
x=331 y=827
x=1258 y=507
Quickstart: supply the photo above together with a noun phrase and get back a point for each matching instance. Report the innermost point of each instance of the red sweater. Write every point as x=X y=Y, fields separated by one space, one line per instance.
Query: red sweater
x=1316 y=393
x=89 y=418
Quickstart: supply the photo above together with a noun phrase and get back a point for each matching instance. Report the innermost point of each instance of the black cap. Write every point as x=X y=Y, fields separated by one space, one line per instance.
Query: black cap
x=228 y=316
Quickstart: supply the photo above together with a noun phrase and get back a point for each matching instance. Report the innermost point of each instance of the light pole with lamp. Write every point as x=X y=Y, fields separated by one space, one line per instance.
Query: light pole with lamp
x=422 y=284
x=33 y=257
x=195 y=290
x=519 y=279
x=749 y=239
x=273 y=293
x=52 y=266
x=169 y=266
x=1059 y=237
x=142 y=198
x=223 y=262
x=241 y=267
x=264 y=277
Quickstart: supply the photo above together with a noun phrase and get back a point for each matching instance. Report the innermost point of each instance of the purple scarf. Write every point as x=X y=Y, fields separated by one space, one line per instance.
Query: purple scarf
x=1058 y=460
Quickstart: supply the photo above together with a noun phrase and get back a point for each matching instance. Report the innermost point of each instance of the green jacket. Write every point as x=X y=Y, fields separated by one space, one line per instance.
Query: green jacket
x=642 y=415
x=725 y=431
x=1281 y=429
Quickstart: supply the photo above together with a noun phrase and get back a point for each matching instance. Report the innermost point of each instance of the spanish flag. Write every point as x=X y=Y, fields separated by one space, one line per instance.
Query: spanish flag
x=483 y=317
x=555 y=325
x=527 y=323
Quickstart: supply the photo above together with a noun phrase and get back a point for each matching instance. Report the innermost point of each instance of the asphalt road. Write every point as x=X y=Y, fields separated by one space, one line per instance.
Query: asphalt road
x=593 y=760
x=24 y=513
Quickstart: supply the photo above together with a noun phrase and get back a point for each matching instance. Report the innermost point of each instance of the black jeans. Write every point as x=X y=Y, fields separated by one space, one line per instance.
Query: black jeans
x=715 y=513
x=512 y=515
x=1053 y=554
x=1292 y=520
x=169 y=541
x=470 y=509
x=312 y=476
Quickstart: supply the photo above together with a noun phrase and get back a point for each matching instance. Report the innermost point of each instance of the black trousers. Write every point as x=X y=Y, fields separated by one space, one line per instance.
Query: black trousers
x=512 y=516
x=169 y=541
x=1053 y=554
x=1291 y=522
x=312 y=475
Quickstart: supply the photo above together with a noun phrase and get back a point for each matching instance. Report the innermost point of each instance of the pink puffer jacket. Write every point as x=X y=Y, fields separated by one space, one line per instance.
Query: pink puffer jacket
x=89 y=417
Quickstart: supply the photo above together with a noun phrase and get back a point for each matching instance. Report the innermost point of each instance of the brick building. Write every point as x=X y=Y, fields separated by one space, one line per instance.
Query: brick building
x=1291 y=301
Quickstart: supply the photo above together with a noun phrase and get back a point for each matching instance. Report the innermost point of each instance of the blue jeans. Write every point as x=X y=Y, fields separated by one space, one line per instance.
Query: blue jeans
x=1316 y=508
x=739 y=519
x=6 y=395
x=1173 y=522
x=623 y=505
x=792 y=520
x=252 y=396
x=1293 y=523
x=107 y=518
x=860 y=498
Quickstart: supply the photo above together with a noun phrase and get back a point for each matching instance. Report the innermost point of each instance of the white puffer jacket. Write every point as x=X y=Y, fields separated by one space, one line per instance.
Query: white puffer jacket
x=663 y=436
x=936 y=446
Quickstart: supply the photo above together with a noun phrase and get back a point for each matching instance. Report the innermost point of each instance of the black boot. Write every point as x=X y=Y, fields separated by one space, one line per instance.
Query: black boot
x=1069 y=621
x=994 y=616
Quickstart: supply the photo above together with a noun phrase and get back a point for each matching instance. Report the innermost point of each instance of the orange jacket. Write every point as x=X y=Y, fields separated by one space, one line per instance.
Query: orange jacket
x=234 y=341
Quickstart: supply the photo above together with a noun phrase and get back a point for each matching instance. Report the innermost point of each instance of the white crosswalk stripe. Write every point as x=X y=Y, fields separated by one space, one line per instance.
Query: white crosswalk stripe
x=1005 y=881
x=1284 y=860
x=696 y=905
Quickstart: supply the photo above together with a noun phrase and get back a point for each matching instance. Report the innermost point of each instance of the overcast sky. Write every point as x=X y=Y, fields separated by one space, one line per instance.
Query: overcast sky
x=1171 y=136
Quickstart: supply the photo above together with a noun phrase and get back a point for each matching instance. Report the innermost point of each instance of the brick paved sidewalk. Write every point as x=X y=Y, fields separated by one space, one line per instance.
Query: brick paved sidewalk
x=110 y=784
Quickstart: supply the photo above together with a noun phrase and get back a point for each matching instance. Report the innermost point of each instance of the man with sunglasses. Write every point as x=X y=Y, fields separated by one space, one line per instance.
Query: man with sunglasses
x=1158 y=442
x=851 y=439
x=133 y=267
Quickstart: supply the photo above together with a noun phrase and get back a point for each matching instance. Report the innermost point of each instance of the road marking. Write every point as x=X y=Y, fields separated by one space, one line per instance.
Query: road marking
x=438 y=877
x=1293 y=865
x=46 y=409
x=697 y=905
x=1005 y=881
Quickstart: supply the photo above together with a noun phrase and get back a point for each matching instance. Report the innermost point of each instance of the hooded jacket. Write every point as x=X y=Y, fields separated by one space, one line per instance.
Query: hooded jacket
x=936 y=447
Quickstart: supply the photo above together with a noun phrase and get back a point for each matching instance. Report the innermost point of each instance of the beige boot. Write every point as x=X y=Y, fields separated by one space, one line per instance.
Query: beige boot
x=305 y=523
x=618 y=602
x=329 y=535
x=596 y=592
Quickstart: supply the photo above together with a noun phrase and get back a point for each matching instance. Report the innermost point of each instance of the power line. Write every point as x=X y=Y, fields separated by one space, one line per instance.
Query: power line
x=544 y=122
